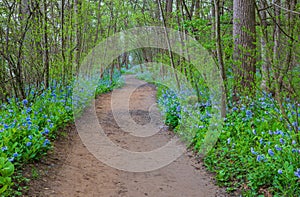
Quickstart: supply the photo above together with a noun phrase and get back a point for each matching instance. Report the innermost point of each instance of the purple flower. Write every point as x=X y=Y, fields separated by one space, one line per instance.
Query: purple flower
x=293 y=142
x=281 y=141
x=271 y=153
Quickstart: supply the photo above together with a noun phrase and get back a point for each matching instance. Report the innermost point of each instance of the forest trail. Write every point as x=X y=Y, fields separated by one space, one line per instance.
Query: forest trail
x=72 y=171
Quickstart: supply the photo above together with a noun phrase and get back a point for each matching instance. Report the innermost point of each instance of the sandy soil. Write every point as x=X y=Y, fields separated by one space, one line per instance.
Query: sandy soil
x=70 y=170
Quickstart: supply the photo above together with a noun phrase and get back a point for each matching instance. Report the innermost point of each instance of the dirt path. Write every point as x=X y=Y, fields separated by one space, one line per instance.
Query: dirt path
x=71 y=170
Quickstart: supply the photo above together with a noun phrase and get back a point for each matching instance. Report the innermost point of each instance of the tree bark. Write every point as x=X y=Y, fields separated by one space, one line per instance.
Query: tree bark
x=244 y=46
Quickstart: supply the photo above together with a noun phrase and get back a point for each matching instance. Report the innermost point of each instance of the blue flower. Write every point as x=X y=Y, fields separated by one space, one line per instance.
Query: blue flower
x=261 y=141
x=30 y=137
x=294 y=150
x=178 y=108
x=293 y=142
x=25 y=102
x=253 y=152
x=278 y=148
x=297 y=173
x=228 y=141
x=248 y=113
x=254 y=131
x=281 y=141
x=46 y=131
x=279 y=171
x=28 y=110
x=259 y=158
x=234 y=109
x=28 y=119
x=270 y=132
x=6 y=126
x=46 y=142
x=4 y=148
x=11 y=159
x=295 y=124
x=15 y=154
x=271 y=153
x=28 y=144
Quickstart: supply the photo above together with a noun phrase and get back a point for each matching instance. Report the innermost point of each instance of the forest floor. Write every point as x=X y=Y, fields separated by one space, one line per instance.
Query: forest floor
x=71 y=170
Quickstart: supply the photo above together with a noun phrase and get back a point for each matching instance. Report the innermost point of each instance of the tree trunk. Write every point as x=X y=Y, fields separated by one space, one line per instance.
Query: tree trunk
x=244 y=46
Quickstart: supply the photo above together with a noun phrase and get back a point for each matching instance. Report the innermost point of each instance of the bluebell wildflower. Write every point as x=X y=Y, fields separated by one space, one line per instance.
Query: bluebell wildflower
x=295 y=124
x=46 y=142
x=297 y=173
x=252 y=151
x=278 y=148
x=271 y=153
x=259 y=158
x=228 y=141
x=6 y=126
x=248 y=113
x=270 y=132
x=25 y=102
x=28 y=110
x=4 y=148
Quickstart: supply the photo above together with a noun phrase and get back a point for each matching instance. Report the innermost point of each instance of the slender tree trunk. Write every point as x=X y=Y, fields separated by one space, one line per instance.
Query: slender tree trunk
x=46 y=47
x=220 y=55
x=169 y=45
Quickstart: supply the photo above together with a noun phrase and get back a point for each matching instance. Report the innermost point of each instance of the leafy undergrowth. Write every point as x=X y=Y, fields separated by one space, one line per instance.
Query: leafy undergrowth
x=257 y=152
x=27 y=127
